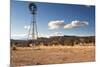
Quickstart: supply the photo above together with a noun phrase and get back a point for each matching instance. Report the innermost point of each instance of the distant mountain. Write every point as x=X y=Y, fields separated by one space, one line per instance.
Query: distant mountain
x=56 y=40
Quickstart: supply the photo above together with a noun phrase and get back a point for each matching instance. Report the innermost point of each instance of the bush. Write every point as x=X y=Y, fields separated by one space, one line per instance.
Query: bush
x=14 y=48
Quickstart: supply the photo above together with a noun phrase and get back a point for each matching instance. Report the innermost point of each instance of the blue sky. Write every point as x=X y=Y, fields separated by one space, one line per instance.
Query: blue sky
x=52 y=19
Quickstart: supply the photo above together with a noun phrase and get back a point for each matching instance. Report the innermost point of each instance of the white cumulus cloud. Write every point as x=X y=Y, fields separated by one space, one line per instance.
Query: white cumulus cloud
x=57 y=34
x=60 y=24
x=75 y=24
x=51 y=34
x=56 y=24
x=25 y=35
x=19 y=36
x=27 y=27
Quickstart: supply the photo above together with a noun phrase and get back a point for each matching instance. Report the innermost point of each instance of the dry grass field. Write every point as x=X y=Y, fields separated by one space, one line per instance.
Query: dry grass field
x=40 y=55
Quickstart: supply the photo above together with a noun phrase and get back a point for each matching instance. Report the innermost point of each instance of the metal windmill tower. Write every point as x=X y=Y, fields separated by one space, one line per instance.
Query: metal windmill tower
x=33 y=26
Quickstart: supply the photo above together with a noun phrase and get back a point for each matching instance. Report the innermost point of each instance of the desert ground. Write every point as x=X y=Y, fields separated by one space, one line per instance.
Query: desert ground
x=40 y=55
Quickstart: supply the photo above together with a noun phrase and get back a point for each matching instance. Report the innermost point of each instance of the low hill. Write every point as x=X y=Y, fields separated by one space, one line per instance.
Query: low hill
x=56 y=40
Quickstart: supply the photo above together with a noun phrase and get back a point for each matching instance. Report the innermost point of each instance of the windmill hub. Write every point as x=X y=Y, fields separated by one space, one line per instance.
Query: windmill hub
x=32 y=8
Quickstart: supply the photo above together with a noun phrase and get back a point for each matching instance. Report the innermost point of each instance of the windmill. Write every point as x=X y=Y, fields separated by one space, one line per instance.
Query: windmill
x=33 y=26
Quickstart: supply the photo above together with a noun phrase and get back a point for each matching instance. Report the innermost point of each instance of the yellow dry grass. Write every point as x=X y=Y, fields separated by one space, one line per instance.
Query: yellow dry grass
x=52 y=55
